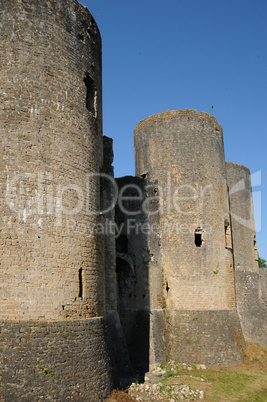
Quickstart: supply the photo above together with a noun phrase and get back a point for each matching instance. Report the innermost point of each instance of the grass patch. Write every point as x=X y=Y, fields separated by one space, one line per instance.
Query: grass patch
x=246 y=382
x=170 y=374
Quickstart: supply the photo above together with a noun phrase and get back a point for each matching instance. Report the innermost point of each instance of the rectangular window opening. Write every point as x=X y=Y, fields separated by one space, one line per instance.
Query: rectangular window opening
x=198 y=239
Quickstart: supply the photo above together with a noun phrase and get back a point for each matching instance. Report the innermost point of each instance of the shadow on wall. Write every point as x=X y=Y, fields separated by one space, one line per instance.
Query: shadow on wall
x=132 y=268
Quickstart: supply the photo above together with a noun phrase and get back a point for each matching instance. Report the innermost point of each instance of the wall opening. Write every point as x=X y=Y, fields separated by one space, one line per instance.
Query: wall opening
x=80 y=283
x=122 y=243
x=144 y=175
x=255 y=249
x=91 y=94
x=228 y=237
x=198 y=237
x=167 y=287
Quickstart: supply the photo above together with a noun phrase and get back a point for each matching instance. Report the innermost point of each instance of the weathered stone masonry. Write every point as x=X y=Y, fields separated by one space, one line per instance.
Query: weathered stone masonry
x=182 y=151
x=52 y=275
x=191 y=159
x=50 y=67
x=80 y=308
x=250 y=282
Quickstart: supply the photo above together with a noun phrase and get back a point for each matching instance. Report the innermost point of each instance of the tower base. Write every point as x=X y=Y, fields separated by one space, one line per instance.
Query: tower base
x=213 y=338
x=251 y=308
x=59 y=361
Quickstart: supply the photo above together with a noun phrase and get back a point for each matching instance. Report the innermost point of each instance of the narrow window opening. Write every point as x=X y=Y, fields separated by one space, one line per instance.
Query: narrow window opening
x=228 y=238
x=91 y=95
x=80 y=283
x=255 y=249
x=198 y=237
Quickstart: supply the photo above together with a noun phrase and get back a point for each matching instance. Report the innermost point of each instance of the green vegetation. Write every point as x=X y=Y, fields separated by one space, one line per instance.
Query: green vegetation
x=245 y=382
x=262 y=262
x=170 y=374
x=164 y=304
x=217 y=269
x=229 y=383
x=49 y=371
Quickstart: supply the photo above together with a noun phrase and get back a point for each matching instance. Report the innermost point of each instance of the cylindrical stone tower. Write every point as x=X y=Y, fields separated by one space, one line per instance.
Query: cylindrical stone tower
x=242 y=217
x=52 y=262
x=251 y=308
x=183 y=153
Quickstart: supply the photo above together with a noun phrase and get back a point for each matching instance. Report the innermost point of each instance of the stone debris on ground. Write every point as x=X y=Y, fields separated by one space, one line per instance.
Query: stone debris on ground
x=159 y=392
x=155 y=387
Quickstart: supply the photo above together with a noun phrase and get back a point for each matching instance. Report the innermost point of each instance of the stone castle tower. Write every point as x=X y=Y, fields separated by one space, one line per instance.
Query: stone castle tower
x=52 y=280
x=78 y=310
x=202 y=265
x=250 y=282
x=183 y=153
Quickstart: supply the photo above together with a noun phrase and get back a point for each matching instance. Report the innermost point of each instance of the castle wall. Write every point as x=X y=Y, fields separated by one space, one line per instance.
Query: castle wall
x=108 y=223
x=52 y=260
x=184 y=151
x=169 y=287
x=158 y=346
x=139 y=271
x=263 y=285
x=213 y=338
x=51 y=140
x=108 y=201
x=249 y=290
x=59 y=361
x=132 y=268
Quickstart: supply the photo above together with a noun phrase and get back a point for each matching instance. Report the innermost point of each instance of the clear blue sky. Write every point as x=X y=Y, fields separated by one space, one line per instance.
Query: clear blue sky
x=195 y=54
